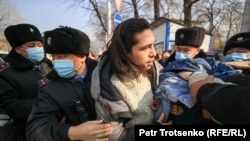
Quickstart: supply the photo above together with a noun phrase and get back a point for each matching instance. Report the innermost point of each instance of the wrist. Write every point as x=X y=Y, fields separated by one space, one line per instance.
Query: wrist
x=72 y=133
x=196 y=76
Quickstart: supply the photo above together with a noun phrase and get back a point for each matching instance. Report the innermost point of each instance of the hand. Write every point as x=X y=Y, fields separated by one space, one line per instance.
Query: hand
x=239 y=64
x=185 y=75
x=194 y=88
x=206 y=114
x=156 y=104
x=176 y=110
x=91 y=130
x=161 y=119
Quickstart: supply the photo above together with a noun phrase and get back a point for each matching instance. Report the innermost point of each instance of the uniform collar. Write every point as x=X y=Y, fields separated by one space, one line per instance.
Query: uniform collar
x=80 y=79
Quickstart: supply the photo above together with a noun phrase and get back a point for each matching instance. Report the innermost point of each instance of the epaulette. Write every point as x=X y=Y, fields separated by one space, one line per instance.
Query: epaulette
x=4 y=66
x=43 y=82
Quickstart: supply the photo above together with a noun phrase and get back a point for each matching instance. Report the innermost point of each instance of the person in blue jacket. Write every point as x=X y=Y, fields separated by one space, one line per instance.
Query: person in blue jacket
x=173 y=91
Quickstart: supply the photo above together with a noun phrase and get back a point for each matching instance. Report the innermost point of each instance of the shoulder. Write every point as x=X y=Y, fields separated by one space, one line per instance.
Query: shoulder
x=158 y=66
x=91 y=63
x=4 y=66
x=43 y=82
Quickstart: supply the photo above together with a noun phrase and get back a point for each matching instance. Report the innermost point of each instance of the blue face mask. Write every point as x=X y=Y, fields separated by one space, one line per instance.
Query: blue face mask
x=35 y=54
x=236 y=57
x=65 y=68
x=179 y=56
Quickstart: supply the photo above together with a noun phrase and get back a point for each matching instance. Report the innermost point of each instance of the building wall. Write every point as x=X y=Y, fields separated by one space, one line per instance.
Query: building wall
x=165 y=37
x=207 y=43
x=245 y=24
x=173 y=27
x=159 y=34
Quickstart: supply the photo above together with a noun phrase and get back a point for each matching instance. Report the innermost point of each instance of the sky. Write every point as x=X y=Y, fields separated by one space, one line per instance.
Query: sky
x=49 y=14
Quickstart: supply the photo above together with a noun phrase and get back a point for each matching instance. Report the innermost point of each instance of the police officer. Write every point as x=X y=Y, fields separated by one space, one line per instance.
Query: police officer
x=22 y=68
x=188 y=41
x=237 y=54
x=65 y=107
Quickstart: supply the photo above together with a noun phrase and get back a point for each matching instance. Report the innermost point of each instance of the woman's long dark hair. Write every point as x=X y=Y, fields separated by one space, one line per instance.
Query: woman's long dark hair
x=121 y=43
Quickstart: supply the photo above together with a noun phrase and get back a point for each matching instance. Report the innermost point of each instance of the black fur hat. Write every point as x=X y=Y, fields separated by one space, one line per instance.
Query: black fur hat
x=66 y=40
x=190 y=36
x=241 y=40
x=22 y=33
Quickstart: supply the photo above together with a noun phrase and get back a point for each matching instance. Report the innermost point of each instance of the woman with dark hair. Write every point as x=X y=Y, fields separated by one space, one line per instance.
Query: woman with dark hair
x=125 y=78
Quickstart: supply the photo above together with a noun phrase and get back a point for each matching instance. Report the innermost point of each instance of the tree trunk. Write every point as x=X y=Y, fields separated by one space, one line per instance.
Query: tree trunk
x=156 y=9
x=136 y=14
x=187 y=6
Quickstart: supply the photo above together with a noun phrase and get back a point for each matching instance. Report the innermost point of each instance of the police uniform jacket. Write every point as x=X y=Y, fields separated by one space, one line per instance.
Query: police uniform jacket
x=18 y=86
x=228 y=104
x=189 y=116
x=62 y=103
